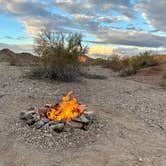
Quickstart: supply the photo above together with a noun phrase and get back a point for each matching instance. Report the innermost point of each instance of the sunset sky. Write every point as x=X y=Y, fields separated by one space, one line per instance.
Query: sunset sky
x=109 y=27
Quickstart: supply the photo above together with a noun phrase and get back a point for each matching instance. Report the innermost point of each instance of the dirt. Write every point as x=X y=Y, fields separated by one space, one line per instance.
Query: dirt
x=150 y=75
x=132 y=115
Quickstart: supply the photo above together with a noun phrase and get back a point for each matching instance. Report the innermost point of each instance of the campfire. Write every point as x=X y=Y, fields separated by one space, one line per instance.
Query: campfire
x=63 y=116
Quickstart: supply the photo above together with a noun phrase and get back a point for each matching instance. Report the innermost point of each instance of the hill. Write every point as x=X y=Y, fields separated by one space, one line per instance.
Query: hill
x=6 y=55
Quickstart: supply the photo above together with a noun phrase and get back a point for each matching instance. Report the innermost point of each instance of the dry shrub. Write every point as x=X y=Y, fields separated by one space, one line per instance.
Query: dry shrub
x=164 y=71
x=59 y=55
x=129 y=66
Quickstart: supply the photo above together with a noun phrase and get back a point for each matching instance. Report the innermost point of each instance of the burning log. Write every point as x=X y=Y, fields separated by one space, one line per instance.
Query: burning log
x=64 y=116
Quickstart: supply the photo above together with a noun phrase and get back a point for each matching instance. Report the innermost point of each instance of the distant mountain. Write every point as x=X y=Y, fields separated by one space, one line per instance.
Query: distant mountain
x=6 y=53
x=16 y=58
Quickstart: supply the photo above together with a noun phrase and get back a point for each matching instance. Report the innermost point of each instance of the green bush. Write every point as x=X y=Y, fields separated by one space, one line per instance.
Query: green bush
x=59 y=55
x=145 y=60
x=129 y=66
x=114 y=63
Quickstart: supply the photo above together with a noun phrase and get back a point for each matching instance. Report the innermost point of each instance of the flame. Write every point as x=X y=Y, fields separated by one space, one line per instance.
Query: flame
x=67 y=109
x=82 y=59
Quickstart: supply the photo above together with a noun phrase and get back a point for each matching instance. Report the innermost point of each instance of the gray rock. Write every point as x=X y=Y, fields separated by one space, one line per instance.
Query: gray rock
x=74 y=124
x=58 y=127
x=90 y=116
x=25 y=115
x=31 y=121
x=45 y=120
x=57 y=121
x=39 y=124
x=81 y=119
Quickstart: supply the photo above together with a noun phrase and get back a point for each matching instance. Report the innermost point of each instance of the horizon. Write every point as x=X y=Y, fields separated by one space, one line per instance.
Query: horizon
x=124 y=27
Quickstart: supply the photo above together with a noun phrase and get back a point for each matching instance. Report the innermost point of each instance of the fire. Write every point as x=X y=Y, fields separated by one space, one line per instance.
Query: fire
x=67 y=109
x=82 y=59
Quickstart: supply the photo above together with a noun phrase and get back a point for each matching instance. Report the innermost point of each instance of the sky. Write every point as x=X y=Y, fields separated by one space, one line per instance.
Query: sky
x=124 y=27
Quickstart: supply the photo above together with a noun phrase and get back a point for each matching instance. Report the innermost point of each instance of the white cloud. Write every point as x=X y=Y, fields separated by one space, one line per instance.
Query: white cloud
x=93 y=18
x=154 y=13
x=129 y=37
x=18 y=47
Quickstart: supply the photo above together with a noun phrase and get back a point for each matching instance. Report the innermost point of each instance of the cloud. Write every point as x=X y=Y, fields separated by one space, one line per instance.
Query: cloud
x=23 y=8
x=129 y=37
x=154 y=12
x=102 y=22
x=96 y=7
x=18 y=47
x=104 y=51
x=85 y=15
x=34 y=15
x=14 y=38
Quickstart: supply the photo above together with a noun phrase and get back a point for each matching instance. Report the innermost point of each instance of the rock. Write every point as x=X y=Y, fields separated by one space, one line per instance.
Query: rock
x=39 y=124
x=81 y=119
x=57 y=121
x=25 y=115
x=87 y=126
x=45 y=120
x=48 y=105
x=90 y=116
x=58 y=127
x=140 y=159
x=75 y=124
x=31 y=121
x=68 y=128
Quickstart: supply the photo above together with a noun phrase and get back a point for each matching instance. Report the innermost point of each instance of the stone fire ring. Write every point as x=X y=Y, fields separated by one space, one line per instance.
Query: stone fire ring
x=83 y=122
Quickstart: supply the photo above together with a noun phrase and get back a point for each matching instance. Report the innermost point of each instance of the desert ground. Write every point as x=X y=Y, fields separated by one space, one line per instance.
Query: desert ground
x=131 y=117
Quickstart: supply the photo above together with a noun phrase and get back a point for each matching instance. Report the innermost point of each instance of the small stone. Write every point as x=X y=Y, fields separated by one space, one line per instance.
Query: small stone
x=48 y=105
x=57 y=121
x=90 y=115
x=45 y=120
x=140 y=159
x=58 y=127
x=31 y=121
x=25 y=115
x=81 y=119
x=75 y=124
x=39 y=124
x=68 y=128
x=87 y=126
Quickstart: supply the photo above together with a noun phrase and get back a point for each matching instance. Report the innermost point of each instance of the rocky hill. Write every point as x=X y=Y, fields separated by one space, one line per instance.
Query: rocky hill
x=16 y=58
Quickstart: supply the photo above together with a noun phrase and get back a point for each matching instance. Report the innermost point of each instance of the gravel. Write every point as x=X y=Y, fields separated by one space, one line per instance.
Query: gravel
x=135 y=102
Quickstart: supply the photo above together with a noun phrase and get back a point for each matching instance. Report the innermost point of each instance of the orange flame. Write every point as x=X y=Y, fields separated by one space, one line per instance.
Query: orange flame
x=82 y=59
x=67 y=109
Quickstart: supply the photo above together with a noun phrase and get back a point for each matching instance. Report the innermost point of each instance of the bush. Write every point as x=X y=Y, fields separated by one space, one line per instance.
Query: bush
x=114 y=63
x=59 y=55
x=164 y=71
x=129 y=66
x=145 y=60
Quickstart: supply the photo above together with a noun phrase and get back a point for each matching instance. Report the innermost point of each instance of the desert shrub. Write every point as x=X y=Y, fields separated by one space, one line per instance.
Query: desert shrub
x=164 y=71
x=59 y=55
x=130 y=65
x=99 y=61
x=127 y=67
x=145 y=60
x=114 y=62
